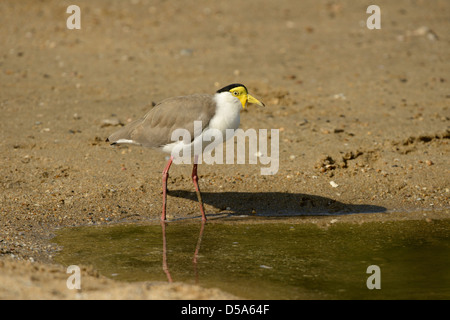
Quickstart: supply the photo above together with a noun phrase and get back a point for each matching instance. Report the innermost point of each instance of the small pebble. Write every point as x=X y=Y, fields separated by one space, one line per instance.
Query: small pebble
x=111 y=122
x=265 y=267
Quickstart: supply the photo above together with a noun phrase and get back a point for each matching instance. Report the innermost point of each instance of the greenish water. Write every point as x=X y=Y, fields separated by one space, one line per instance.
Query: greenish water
x=273 y=260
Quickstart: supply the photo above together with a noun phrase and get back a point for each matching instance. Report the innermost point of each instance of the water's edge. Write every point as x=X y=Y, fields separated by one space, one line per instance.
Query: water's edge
x=273 y=258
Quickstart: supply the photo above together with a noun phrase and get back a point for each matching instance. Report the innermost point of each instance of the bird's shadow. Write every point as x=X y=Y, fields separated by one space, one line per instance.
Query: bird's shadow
x=276 y=203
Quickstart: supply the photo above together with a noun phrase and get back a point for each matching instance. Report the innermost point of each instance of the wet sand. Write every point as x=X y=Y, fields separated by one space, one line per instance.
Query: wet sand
x=363 y=117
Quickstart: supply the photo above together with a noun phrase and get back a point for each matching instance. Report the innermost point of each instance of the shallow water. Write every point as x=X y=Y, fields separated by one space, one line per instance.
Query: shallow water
x=273 y=260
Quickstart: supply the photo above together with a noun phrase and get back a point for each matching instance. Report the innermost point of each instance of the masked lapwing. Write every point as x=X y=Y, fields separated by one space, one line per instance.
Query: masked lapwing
x=220 y=111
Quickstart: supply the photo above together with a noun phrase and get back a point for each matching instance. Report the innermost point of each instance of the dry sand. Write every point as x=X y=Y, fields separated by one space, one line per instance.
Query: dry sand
x=363 y=117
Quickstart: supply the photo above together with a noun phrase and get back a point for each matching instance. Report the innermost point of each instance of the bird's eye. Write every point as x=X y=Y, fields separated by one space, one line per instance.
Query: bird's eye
x=236 y=93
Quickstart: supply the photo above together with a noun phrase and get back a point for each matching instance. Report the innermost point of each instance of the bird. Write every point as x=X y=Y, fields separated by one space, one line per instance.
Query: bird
x=220 y=111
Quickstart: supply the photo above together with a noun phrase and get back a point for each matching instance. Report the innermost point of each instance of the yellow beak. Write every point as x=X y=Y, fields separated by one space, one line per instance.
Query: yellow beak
x=251 y=99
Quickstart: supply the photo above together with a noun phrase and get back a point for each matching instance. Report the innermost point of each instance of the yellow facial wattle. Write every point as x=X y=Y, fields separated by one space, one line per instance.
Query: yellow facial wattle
x=243 y=96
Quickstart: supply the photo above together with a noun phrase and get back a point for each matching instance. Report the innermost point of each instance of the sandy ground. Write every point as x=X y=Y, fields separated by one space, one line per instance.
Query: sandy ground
x=363 y=117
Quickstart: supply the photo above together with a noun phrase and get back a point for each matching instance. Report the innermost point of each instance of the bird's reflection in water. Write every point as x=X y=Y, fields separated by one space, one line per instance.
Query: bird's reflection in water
x=194 y=260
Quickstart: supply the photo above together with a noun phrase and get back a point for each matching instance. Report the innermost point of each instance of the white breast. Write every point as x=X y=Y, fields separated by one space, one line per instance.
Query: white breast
x=228 y=112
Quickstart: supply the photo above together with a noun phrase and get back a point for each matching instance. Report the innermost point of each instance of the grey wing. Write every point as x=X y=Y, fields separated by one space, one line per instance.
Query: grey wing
x=155 y=129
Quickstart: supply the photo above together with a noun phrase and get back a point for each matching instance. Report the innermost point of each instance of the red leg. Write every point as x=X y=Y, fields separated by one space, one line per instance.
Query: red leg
x=165 y=175
x=197 y=189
